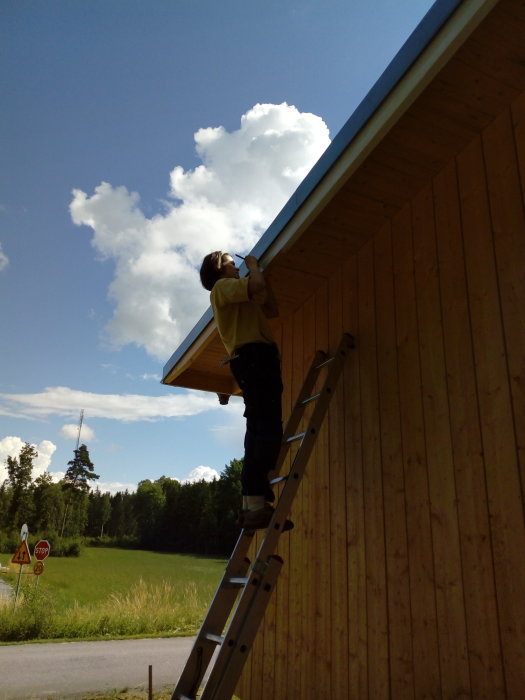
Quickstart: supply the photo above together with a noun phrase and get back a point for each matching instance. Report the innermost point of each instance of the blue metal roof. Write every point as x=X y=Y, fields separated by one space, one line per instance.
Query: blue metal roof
x=422 y=35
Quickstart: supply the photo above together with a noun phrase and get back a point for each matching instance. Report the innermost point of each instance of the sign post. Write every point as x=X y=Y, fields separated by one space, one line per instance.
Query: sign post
x=21 y=556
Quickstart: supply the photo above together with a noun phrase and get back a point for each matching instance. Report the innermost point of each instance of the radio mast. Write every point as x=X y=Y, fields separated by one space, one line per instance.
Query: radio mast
x=80 y=426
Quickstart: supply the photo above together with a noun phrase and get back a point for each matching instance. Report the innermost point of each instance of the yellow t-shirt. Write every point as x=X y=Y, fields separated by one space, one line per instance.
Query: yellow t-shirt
x=239 y=320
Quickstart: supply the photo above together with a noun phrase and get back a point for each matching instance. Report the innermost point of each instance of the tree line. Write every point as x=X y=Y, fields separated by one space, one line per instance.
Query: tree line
x=163 y=514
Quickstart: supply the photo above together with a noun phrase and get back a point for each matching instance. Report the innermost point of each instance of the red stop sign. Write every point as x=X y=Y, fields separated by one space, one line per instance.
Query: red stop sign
x=41 y=550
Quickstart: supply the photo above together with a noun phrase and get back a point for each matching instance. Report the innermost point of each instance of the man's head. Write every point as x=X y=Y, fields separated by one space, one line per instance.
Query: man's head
x=215 y=266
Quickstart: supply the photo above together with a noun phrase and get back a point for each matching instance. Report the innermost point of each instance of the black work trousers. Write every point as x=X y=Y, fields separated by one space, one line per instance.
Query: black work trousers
x=257 y=369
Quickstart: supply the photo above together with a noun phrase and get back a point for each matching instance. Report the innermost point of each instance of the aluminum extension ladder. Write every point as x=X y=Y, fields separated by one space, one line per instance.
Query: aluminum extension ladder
x=256 y=582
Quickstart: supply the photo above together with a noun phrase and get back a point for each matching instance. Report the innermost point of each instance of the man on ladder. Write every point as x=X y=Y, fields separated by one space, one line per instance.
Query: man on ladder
x=241 y=307
x=243 y=593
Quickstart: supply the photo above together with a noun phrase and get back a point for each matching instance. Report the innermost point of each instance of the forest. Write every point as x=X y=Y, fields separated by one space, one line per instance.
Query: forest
x=162 y=515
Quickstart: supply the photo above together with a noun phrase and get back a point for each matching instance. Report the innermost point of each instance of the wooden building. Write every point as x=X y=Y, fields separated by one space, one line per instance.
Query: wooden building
x=405 y=574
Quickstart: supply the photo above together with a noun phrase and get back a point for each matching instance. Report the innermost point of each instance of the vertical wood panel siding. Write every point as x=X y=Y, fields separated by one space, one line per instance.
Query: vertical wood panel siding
x=421 y=566
x=307 y=577
x=405 y=574
x=397 y=558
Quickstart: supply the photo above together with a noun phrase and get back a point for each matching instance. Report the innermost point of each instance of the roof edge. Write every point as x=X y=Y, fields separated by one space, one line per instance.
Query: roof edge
x=205 y=320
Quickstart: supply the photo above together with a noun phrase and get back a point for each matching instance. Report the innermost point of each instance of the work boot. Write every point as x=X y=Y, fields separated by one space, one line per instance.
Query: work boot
x=259 y=519
x=269 y=495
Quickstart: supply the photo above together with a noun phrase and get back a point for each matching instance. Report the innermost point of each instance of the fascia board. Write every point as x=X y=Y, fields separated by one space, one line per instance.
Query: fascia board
x=197 y=338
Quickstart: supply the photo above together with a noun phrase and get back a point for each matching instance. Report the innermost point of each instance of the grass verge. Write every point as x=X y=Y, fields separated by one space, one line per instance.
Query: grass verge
x=136 y=694
x=111 y=594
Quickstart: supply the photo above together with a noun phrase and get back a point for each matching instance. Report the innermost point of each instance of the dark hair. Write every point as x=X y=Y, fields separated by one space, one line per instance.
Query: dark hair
x=211 y=269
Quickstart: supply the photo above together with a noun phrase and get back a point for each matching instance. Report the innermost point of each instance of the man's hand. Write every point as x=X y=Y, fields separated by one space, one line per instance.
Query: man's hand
x=251 y=263
x=223 y=399
x=256 y=281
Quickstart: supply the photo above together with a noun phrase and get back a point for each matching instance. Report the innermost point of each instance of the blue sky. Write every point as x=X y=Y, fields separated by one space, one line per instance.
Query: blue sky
x=136 y=136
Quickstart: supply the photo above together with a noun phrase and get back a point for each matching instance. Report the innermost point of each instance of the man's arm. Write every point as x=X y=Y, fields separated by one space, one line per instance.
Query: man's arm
x=259 y=289
x=256 y=281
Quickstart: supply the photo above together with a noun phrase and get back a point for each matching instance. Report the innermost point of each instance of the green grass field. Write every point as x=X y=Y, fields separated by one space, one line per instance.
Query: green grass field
x=99 y=572
x=111 y=593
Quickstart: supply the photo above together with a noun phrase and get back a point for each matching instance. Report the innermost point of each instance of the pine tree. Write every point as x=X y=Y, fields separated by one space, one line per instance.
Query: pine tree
x=80 y=471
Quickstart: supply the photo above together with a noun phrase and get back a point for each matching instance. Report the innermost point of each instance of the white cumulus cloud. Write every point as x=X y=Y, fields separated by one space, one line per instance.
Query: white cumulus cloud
x=113 y=487
x=63 y=401
x=70 y=432
x=201 y=474
x=10 y=446
x=197 y=474
x=4 y=260
x=227 y=202
x=151 y=377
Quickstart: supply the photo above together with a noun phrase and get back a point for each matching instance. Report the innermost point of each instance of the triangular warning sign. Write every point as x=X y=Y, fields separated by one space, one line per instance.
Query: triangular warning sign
x=21 y=556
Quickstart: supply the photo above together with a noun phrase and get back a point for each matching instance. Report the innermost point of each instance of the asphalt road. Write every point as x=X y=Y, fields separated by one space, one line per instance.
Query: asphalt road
x=75 y=669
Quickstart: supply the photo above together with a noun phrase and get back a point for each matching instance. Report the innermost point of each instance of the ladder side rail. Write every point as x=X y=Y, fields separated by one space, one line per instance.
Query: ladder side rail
x=304 y=393
x=297 y=411
x=320 y=360
x=283 y=507
x=242 y=609
x=243 y=629
x=215 y=619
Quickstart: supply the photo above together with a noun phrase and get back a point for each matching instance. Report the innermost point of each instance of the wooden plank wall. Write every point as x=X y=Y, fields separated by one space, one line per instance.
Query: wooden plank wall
x=405 y=574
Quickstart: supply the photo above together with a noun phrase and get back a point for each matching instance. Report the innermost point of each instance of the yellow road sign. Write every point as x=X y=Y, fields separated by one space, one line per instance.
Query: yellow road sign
x=38 y=568
x=21 y=556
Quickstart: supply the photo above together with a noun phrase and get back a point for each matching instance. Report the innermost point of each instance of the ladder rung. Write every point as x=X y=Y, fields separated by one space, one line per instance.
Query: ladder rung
x=216 y=638
x=326 y=362
x=237 y=581
x=299 y=436
x=310 y=398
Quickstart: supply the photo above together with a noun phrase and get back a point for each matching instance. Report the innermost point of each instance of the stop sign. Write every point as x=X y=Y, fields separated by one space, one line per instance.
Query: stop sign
x=41 y=550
